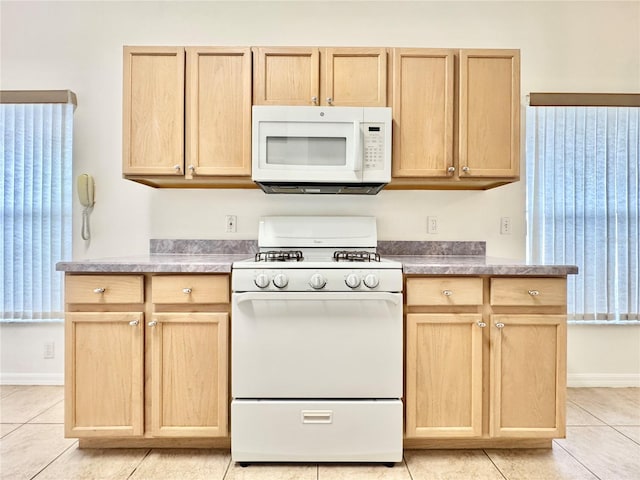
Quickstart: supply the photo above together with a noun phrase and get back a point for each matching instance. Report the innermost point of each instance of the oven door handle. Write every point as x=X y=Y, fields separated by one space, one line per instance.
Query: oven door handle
x=393 y=298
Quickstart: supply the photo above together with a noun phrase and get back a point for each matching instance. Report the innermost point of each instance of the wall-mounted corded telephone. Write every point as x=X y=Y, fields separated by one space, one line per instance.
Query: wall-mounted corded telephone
x=86 y=187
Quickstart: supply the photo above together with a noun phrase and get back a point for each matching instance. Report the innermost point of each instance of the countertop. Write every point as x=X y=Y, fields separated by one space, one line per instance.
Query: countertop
x=221 y=263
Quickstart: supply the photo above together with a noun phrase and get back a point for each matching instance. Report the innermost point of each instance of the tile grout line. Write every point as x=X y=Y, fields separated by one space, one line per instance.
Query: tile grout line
x=624 y=434
x=584 y=409
x=576 y=458
x=54 y=458
x=494 y=464
x=140 y=463
x=226 y=470
x=404 y=459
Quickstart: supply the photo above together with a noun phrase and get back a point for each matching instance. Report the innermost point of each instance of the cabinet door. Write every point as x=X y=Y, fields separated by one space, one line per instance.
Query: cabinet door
x=489 y=113
x=355 y=77
x=189 y=374
x=423 y=92
x=104 y=374
x=218 y=111
x=153 y=111
x=286 y=76
x=444 y=375
x=528 y=376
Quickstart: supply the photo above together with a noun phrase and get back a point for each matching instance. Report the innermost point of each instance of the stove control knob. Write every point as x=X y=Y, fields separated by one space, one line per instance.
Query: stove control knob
x=261 y=280
x=280 y=280
x=317 y=281
x=352 y=280
x=371 y=281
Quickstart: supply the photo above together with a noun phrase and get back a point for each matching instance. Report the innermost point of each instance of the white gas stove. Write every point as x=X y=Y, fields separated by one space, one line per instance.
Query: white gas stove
x=316 y=345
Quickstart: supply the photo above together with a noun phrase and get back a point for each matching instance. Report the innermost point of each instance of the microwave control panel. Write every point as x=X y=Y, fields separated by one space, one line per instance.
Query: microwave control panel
x=373 y=146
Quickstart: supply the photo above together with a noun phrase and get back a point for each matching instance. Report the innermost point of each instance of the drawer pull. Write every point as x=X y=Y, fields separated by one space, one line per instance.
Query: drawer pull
x=317 y=416
x=481 y=324
x=500 y=325
x=152 y=323
x=186 y=291
x=534 y=293
x=99 y=290
x=447 y=293
x=134 y=323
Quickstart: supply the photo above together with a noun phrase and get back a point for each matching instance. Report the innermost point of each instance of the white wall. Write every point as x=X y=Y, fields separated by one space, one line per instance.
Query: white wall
x=565 y=46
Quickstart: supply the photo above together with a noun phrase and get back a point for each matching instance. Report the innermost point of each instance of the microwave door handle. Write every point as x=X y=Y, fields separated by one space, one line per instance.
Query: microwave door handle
x=357 y=135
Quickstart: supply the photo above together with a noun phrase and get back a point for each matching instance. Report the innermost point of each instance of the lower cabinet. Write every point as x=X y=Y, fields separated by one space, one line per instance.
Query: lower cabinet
x=135 y=368
x=495 y=370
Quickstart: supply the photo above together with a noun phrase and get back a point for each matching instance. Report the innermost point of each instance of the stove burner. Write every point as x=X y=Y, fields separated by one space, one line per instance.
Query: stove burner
x=279 y=256
x=355 y=256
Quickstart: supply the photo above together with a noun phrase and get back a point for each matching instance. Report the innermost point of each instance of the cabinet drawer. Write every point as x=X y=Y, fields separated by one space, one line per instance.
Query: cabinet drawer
x=528 y=291
x=104 y=289
x=183 y=289
x=444 y=291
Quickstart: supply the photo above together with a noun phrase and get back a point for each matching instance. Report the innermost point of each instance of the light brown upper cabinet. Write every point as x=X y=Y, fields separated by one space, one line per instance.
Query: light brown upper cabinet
x=456 y=118
x=320 y=76
x=187 y=115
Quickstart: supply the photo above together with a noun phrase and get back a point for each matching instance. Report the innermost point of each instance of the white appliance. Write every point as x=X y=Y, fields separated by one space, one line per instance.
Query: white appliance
x=316 y=341
x=321 y=149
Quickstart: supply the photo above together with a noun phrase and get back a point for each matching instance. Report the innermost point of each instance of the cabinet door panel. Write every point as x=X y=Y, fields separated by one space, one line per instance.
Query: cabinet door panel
x=444 y=375
x=153 y=110
x=422 y=112
x=189 y=374
x=104 y=374
x=489 y=113
x=355 y=77
x=528 y=376
x=218 y=104
x=286 y=76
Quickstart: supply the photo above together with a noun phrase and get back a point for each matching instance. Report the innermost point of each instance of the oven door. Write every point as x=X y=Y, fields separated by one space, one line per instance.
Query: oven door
x=316 y=345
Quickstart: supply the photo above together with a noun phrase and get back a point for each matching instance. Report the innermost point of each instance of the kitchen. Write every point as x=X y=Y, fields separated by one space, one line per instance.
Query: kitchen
x=83 y=51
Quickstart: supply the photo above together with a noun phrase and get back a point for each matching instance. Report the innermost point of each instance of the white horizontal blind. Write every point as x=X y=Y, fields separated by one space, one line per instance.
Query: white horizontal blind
x=583 y=205
x=36 y=209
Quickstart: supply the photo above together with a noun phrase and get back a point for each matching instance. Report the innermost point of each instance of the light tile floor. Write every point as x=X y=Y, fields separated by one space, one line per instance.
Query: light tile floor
x=603 y=442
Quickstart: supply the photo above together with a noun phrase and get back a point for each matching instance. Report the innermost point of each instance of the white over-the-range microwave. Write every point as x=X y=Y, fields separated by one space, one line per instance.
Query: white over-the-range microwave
x=321 y=149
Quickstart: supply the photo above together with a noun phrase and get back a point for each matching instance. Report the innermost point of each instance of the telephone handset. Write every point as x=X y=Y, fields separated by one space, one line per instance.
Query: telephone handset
x=85 y=190
x=86 y=195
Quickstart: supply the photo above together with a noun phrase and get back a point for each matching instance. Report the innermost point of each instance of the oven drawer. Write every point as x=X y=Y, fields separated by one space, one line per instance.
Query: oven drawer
x=316 y=431
x=444 y=291
x=103 y=289
x=181 y=289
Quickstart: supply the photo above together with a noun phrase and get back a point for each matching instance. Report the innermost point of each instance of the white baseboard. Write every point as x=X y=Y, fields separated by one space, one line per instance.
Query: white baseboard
x=31 y=379
x=603 y=380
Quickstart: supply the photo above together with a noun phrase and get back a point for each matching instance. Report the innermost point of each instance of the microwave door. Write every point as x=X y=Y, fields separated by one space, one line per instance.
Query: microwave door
x=310 y=152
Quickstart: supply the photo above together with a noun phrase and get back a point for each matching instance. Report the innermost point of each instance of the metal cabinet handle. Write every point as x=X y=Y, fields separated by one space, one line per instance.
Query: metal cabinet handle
x=534 y=293
x=134 y=323
x=481 y=324
x=329 y=101
x=192 y=169
x=314 y=100
x=466 y=169
x=99 y=290
x=447 y=293
x=500 y=325
x=186 y=291
x=177 y=168
x=152 y=323
x=451 y=169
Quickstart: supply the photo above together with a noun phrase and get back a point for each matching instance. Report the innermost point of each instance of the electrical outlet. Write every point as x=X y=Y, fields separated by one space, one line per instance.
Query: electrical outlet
x=49 y=350
x=505 y=226
x=230 y=223
x=432 y=225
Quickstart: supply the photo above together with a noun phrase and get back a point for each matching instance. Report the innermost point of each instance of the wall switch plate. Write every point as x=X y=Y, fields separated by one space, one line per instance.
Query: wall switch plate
x=49 y=350
x=432 y=225
x=505 y=226
x=230 y=223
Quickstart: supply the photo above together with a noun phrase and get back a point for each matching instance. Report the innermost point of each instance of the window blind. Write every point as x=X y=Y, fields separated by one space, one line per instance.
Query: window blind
x=36 y=208
x=582 y=205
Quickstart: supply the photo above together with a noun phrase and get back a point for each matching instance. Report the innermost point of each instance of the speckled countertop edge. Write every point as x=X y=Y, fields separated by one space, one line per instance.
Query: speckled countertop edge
x=217 y=256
